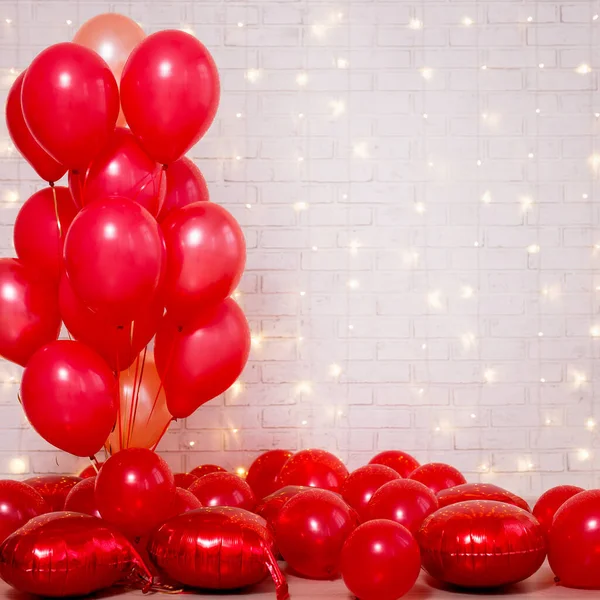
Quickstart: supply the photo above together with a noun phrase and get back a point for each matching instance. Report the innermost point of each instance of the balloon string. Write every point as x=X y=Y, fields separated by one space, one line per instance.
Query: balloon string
x=162 y=434
x=56 y=210
x=137 y=395
x=135 y=376
x=281 y=586
x=120 y=431
x=160 y=387
x=95 y=463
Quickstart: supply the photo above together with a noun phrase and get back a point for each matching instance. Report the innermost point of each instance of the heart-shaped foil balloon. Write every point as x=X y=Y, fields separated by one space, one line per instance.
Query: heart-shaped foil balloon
x=218 y=548
x=69 y=554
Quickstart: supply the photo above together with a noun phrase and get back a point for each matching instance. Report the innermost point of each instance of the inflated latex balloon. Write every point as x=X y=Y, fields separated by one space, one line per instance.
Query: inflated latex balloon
x=19 y=503
x=185 y=501
x=90 y=471
x=314 y=468
x=479 y=491
x=481 y=544
x=574 y=542
x=69 y=554
x=549 y=502
x=201 y=470
x=223 y=489
x=438 y=476
x=82 y=499
x=270 y=506
x=54 y=489
x=184 y=480
x=263 y=473
x=404 y=464
x=216 y=549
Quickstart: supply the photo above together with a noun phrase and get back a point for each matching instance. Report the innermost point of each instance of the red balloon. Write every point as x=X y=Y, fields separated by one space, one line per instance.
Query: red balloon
x=114 y=255
x=38 y=235
x=70 y=397
x=270 y=506
x=90 y=471
x=54 y=489
x=185 y=185
x=202 y=470
x=404 y=501
x=380 y=561
x=310 y=531
x=206 y=253
x=70 y=554
x=135 y=490
x=81 y=498
x=123 y=169
x=184 y=502
x=481 y=544
x=76 y=181
x=361 y=484
x=19 y=503
x=28 y=311
x=438 y=476
x=70 y=103
x=574 y=542
x=203 y=358
x=118 y=345
x=169 y=93
x=404 y=464
x=216 y=549
x=223 y=489
x=184 y=480
x=264 y=471
x=43 y=164
x=479 y=491
x=314 y=468
x=549 y=502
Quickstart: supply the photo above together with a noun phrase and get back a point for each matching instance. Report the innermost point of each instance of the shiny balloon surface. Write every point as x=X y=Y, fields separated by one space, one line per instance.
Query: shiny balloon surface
x=479 y=491
x=54 y=489
x=19 y=503
x=403 y=463
x=314 y=468
x=263 y=473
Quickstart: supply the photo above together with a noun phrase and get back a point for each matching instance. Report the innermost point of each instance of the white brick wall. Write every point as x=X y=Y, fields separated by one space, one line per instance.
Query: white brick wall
x=377 y=241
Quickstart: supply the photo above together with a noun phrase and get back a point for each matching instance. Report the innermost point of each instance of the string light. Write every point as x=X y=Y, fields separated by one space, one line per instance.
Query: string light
x=595 y=18
x=526 y=203
x=353 y=284
x=541 y=65
x=302 y=78
x=241 y=472
x=583 y=454
x=467 y=340
x=69 y=22
x=595 y=331
x=253 y=75
x=530 y=155
x=427 y=73
x=18 y=466
x=191 y=443
x=484 y=68
x=579 y=379
x=538 y=111
x=238 y=115
x=300 y=206
x=11 y=196
x=342 y=63
x=467 y=21
x=540 y=334
x=319 y=30
x=419 y=207
x=354 y=246
x=467 y=292
x=240 y=24
x=529 y=19
x=234 y=430
x=361 y=150
x=304 y=422
x=301 y=115
x=489 y=375
x=188 y=29
x=533 y=249
x=238 y=157
x=303 y=387
x=314 y=248
x=236 y=388
x=415 y=24
x=425 y=116
x=590 y=424
x=583 y=69
x=335 y=370
x=434 y=299
x=487 y=197
x=338 y=107
x=9 y=21
x=256 y=340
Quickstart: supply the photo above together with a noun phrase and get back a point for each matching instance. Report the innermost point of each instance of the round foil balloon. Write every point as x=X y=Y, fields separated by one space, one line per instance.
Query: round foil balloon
x=19 y=503
x=184 y=480
x=574 y=542
x=438 y=476
x=479 y=491
x=314 y=468
x=54 y=489
x=264 y=471
x=549 y=502
x=404 y=464
x=70 y=554
x=202 y=470
x=481 y=544
x=82 y=499
x=223 y=489
x=380 y=561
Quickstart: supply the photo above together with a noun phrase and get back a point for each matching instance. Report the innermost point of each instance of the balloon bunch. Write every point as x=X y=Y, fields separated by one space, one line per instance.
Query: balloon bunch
x=132 y=250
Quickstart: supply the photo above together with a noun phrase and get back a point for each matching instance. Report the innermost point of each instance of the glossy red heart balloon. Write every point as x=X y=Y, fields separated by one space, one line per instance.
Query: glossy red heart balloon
x=437 y=476
x=54 y=489
x=404 y=501
x=184 y=480
x=360 y=485
x=19 y=503
x=404 y=464
x=310 y=531
x=223 y=489
x=82 y=499
x=263 y=473
x=216 y=549
x=549 y=502
x=69 y=554
x=314 y=468
x=574 y=542
x=380 y=561
x=201 y=470
x=479 y=491
x=481 y=544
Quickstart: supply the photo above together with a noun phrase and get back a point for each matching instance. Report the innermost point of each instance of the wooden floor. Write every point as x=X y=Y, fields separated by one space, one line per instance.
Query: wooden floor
x=540 y=585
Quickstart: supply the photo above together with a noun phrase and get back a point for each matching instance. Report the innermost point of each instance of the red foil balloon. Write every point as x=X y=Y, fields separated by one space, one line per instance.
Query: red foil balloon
x=270 y=506
x=38 y=235
x=185 y=185
x=90 y=471
x=264 y=471
x=43 y=164
x=169 y=93
x=69 y=554
x=82 y=499
x=70 y=103
x=481 y=544
x=123 y=169
x=380 y=561
x=202 y=470
x=223 y=489
x=184 y=480
x=574 y=542
x=114 y=254
x=69 y=395
x=202 y=359
x=550 y=501
x=404 y=464
x=479 y=491
x=54 y=489
x=310 y=531
x=135 y=491
x=28 y=311
x=438 y=476
x=314 y=468
x=404 y=501
x=214 y=549
x=206 y=253
x=19 y=503
x=359 y=487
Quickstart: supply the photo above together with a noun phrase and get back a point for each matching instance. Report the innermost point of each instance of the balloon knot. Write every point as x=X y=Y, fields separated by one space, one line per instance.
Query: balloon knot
x=51 y=184
x=180 y=328
x=165 y=167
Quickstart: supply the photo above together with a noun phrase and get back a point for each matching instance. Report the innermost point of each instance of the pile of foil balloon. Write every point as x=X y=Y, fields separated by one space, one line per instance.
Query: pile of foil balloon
x=131 y=522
